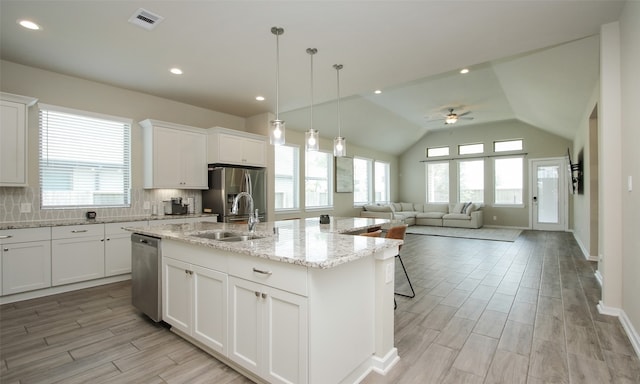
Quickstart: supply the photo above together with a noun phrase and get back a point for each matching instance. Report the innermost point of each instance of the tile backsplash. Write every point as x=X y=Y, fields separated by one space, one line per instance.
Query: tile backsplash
x=12 y=199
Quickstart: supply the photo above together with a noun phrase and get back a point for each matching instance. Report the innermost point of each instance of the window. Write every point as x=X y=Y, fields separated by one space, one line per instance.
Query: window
x=287 y=173
x=469 y=149
x=362 y=181
x=508 y=180
x=438 y=182
x=471 y=181
x=318 y=180
x=84 y=159
x=507 y=145
x=437 y=151
x=382 y=182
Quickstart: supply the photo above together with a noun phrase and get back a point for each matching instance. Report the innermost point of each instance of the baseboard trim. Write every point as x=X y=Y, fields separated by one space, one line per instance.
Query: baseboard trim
x=632 y=333
x=382 y=365
x=585 y=251
x=62 y=289
x=505 y=227
x=598 y=277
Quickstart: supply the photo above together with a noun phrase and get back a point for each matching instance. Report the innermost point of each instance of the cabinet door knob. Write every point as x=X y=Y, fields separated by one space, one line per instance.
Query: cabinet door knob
x=7 y=250
x=6 y=237
x=264 y=295
x=257 y=294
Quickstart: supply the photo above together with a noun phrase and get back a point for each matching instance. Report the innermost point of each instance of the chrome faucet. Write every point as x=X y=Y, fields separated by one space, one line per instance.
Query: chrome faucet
x=253 y=216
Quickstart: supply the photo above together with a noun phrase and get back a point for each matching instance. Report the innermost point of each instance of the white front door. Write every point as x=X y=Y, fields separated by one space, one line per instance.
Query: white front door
x=548 y=194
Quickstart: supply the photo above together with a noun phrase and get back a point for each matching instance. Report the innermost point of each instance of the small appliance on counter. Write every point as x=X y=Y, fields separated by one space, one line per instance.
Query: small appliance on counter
x=175 y=206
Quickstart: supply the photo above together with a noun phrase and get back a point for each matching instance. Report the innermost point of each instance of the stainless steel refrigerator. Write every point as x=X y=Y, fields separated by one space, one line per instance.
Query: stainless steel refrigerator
x=225 y=182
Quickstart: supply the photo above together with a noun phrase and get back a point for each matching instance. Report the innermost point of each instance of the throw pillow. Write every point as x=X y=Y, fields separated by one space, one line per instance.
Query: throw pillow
x=470 y=208
x=464 y=207
x=458 y=208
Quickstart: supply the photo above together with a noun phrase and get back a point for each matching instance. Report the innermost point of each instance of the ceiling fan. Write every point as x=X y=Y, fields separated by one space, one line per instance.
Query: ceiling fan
x=452 y=118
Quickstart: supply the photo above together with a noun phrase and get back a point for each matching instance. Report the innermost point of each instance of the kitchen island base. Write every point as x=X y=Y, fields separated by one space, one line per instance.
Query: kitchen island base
x=279 y=322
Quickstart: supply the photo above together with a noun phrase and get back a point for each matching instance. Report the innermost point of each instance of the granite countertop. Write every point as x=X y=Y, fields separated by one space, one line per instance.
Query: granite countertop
x=303 y=242
x=99 y=220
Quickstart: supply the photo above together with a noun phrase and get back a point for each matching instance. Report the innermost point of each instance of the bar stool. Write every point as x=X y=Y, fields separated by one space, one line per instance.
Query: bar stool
x=398 y=232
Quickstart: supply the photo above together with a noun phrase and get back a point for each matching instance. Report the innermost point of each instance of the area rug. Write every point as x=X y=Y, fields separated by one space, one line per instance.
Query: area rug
x=497 y=234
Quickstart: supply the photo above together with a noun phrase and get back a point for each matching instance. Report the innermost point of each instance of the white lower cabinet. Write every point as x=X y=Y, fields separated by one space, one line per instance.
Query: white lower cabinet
x=117 y=248
x=77 y=253
x=195 y=302
x=25 y=260
x=268 y=331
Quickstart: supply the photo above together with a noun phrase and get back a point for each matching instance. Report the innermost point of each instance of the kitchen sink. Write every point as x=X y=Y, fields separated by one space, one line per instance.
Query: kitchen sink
x=225 y=236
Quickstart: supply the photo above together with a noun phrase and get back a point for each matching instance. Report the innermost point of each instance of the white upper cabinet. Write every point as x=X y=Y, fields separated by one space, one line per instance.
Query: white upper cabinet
x=175 y=156
x=227 y=146
x=13 y=139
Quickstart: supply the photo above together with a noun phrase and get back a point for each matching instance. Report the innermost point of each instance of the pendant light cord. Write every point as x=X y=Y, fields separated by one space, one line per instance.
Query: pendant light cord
x=277 y=74
x=338 y=67
x=311 y=52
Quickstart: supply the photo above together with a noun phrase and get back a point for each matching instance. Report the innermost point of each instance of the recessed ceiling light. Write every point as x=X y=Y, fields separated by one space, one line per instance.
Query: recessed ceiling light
x=377 y=91
x=29 y=25
x=176 y=71
x=260 y=98
x=464 y=70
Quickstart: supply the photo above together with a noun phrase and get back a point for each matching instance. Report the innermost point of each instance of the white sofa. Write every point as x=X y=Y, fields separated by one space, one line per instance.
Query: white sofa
x=459 y=215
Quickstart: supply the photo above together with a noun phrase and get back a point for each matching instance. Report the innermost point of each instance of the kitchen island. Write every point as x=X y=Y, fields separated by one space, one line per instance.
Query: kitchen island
x=297 y=302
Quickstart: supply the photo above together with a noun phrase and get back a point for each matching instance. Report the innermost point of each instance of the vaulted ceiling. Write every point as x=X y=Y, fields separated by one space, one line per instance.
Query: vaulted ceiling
x=531 y=60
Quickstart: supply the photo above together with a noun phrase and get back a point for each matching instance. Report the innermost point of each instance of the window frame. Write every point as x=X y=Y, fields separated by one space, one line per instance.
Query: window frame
x=295 y=179
x=484 y=188
x=330 y=175
x=495 y=194
x=87 y=166
x=369 y=181
x=427 y=189
x=495 y=150
x=429 y=149
x=470 y=145
x=387 y=184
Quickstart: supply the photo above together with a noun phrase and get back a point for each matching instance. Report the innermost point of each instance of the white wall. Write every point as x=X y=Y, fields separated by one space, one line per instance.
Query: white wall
x=71 y=92
x=537 y=143
x=630 y=62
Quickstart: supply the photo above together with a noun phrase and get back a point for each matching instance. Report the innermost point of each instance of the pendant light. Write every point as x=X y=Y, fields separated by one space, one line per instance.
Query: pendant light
x=339 y=143
x=311 y=136
x=277 y=132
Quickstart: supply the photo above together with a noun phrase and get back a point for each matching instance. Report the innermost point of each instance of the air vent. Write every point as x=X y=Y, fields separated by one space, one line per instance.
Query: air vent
x=145 y=19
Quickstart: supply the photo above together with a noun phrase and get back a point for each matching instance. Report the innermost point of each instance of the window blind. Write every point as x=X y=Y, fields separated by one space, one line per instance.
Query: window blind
x=85 y=159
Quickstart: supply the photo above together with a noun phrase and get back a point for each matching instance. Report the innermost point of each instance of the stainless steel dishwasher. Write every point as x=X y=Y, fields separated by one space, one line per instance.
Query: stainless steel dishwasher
x=146 y=275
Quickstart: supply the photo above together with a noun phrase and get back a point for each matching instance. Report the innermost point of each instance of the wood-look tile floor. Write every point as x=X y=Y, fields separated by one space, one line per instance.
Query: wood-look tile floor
x=485 y=312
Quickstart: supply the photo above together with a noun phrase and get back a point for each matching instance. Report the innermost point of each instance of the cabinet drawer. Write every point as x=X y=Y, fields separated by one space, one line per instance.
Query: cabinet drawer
x=73 y=231
x=10 y=236
x=285 y=276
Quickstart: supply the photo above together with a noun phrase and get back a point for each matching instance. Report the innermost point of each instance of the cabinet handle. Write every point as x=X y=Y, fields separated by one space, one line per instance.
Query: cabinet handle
x=79 y=231
x=264 y=295
x=6 y=237
x=7 y=250
x=256 y=270
x=257 y=294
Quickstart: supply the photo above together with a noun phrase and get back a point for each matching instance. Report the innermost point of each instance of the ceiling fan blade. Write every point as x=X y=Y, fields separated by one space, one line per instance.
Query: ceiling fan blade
x=464 y=113
x=465 y=118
